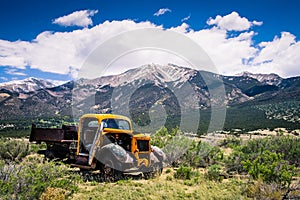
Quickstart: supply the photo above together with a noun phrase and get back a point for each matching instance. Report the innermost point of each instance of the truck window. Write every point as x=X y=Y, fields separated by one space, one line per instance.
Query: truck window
x=116 y=124
x=93 y=124
x=124 y=125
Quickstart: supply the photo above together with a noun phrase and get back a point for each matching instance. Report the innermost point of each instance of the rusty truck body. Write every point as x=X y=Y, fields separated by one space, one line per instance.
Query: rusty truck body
x=104 y=143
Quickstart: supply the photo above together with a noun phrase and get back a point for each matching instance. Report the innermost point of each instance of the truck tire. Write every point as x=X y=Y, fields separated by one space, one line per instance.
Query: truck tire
x=110 y=172
x=49 y=154
x=154 y=172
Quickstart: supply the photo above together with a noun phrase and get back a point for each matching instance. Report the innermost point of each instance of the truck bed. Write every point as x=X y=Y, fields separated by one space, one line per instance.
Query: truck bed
x=64 y=134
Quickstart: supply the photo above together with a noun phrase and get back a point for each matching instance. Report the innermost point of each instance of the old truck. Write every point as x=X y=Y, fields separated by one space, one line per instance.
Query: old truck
x=104 y=143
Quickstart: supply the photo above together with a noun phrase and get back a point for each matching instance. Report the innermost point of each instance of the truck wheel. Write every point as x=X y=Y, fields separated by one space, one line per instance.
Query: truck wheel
x=155 y=171
x=49 y=154
x=110 y=173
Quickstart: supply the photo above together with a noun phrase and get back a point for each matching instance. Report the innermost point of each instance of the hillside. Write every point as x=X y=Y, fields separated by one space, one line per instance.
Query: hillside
x=152 y=88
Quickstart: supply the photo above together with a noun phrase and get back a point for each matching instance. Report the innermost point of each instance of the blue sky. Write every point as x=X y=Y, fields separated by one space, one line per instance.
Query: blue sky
x=273 y=31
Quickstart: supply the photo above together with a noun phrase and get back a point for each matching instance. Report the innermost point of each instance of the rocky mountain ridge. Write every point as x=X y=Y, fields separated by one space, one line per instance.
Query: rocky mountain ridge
x=176 y=89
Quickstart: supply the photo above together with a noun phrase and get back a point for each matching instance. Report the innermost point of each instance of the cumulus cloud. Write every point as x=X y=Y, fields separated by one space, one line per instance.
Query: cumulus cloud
x=78 y=18
x=280 y=56
x=62 y=52
x=162 y=11
x=232 y=22
x=183 y=28
x=65 y=52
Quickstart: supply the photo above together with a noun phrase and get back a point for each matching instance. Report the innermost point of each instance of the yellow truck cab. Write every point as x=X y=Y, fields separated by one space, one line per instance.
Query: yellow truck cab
x=89 y=124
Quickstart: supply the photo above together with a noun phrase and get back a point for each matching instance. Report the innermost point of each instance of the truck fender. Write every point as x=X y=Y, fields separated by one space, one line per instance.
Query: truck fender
x=114 y=153
x=159 y=153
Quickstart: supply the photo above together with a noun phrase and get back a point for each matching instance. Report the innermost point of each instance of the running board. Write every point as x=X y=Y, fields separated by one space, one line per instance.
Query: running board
x=86 y=167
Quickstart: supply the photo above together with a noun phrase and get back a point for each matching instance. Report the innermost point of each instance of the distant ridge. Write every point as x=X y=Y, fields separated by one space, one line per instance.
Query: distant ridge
x=32 y=97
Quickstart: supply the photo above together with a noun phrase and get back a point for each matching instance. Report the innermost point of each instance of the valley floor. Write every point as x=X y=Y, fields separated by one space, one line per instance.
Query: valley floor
x=163 y=187
x=26 y=175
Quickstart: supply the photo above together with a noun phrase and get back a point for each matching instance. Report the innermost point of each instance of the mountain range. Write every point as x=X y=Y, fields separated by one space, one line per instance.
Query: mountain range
x=179 y=90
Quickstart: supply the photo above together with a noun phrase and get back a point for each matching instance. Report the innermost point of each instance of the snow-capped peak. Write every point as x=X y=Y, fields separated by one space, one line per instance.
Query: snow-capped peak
x=155 y=73
x=270 y=79
x=26 y=85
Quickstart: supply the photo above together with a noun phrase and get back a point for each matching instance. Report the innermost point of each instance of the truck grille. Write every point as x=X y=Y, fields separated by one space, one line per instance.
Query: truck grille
x=143 y=145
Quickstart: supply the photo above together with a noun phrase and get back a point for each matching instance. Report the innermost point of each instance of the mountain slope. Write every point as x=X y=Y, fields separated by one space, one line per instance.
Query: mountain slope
x=141 y=91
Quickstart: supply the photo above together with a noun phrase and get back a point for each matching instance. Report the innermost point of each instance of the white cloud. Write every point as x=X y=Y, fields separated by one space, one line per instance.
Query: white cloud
x=62 y=52
x=13 y=71
x=65 y=52
x=232 y=22
x=256 y=23
x=183 y=28
x=280 y=56
x=186 y=18
x=78 y=18
x=226 y=53
x=12 y=53
x=3 y=78
x=162 y=11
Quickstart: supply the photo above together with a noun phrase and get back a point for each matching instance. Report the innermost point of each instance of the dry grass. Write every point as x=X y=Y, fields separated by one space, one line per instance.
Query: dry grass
x=163 y=187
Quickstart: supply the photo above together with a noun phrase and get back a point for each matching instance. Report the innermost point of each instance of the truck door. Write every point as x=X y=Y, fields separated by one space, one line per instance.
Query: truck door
x=88 y=131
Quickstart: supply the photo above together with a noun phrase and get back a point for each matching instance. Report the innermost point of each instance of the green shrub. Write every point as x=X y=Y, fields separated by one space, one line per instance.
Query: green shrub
x=183 y=172
x=163 y=137
x=182 y=150
x=231 y=142
x=35 y=148
x=271 y=168
x=30 y=178
x=214 y=173
x=288 y=147
x=202 y=154
x=13 y=149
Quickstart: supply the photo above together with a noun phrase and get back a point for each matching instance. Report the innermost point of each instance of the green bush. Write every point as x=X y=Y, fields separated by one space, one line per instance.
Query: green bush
x=231 y=142
x=288 y=147
x=163 y=137
x=13 y=149
x=183 y=172
x=214 y=173
x=202 y=154
x=30 y=178
x=182 y=150
x=271 y=168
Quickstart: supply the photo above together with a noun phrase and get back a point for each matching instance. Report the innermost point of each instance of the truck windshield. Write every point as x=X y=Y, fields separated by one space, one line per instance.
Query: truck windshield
x=116 y=124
